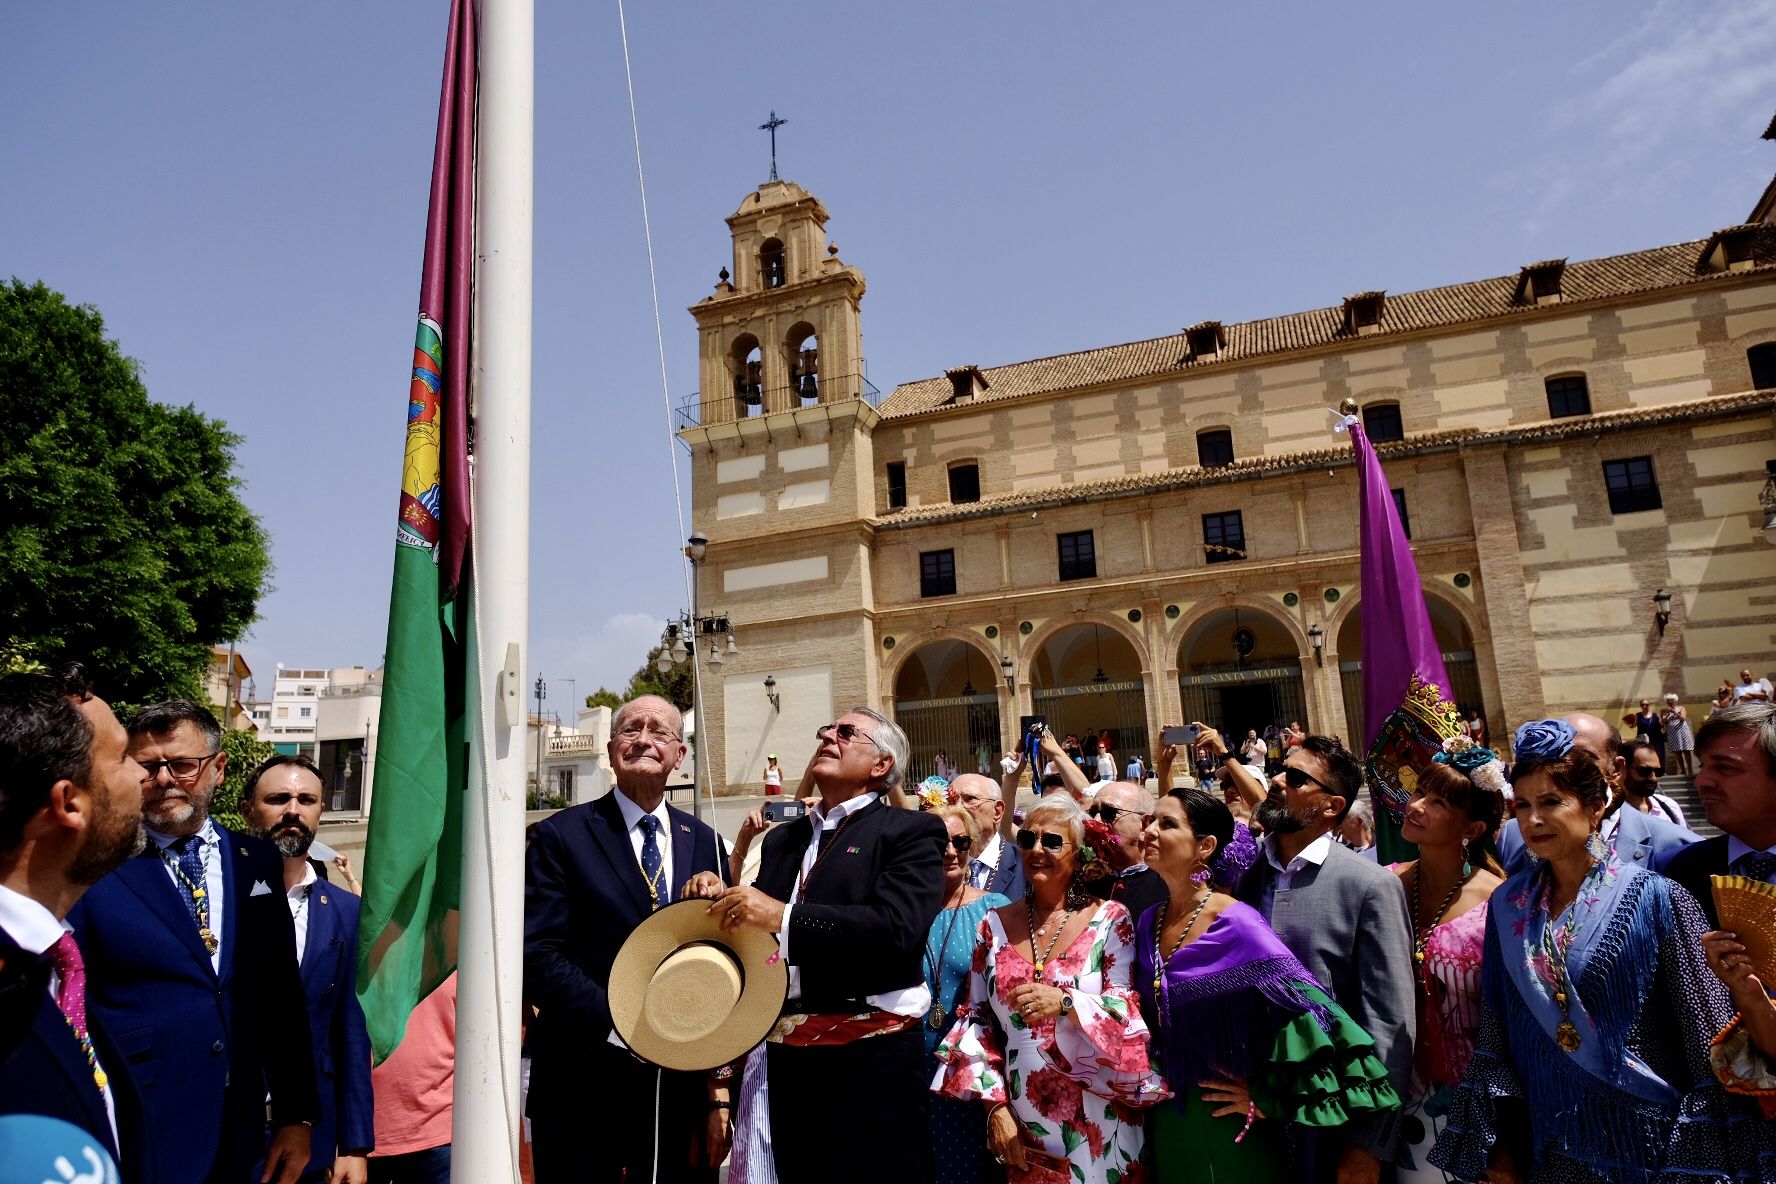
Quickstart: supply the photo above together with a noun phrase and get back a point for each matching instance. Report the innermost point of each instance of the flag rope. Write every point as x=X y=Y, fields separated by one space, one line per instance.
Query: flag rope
x=685 y=566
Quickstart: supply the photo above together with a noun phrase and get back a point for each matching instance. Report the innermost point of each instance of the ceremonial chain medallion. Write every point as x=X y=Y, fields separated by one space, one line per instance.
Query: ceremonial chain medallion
x=200 y=898
x=934 y=1019
x=1556 y=947
x=1040 y=960
x=1421 y=933
x=1160 y=957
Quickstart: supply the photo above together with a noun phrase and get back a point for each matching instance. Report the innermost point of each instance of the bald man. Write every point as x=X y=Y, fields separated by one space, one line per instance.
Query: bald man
x=1644 y=839
x=1123 y=807
x=997 y=868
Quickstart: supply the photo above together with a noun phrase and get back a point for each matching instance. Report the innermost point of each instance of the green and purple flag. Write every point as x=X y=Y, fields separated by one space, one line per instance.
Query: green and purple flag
x=1407 y=706
x=413 y=857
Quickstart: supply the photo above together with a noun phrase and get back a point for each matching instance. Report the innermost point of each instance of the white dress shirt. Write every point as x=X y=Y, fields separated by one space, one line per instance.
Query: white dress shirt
x=35 y=929
x=988 y=859
x=209 y=845
x=914 y=1000
x=300 y=897
x=632 y=816
x=1314 y=853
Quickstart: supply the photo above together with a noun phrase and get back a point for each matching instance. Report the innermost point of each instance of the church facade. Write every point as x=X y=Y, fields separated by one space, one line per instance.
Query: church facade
x=1162 y=531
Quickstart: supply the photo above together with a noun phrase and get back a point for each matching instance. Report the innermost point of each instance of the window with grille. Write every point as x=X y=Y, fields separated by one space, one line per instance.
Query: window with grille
x=1224 y=537
x=1079 y=559
x=1631 y=484
x=1381 y=422
x=1568 y=394
x=937 y=573
x=1214 y=448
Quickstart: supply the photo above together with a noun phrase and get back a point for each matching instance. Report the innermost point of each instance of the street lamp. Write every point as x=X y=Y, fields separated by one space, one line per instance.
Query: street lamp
x=1008 y=668
x=542 y=692
x=1316 y=637
x=1662 y=609
x=771 y=693
x=1767 y=499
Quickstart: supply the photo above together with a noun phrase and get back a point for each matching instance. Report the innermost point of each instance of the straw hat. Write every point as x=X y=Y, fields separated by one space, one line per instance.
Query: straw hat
x=684 y=995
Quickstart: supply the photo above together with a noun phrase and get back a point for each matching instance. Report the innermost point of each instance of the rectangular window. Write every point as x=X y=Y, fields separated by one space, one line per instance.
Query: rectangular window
x=1400 y=509
x=896 y=485
x=1631 y=484
x=1568 y=395
x=1762 y=359
x=1381 y=422
x=1214 y=448
x=1079 y=558
x=283 y=712
x=964 y=483
x=937 y=573
x=1224 y=537
x=307 y=712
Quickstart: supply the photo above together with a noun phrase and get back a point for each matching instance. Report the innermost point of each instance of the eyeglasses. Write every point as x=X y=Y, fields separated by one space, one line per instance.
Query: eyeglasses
x=631 y=731
x=961 y=843
x=1107 y=814
x=182 y=768
x=845 y=733
x=1050 y=841
x=1295 y=778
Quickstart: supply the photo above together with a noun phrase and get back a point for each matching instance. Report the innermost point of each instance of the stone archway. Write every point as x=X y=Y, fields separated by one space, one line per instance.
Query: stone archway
x=1086 y=678
x=1455 y=641
x=946 y=699
x=1239 y=670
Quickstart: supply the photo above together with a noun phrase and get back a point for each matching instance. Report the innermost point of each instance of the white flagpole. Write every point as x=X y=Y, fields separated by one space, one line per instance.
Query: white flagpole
x=484 y=1131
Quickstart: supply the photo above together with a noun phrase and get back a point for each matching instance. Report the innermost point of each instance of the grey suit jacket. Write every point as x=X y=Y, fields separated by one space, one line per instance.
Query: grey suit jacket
x=1348 y=922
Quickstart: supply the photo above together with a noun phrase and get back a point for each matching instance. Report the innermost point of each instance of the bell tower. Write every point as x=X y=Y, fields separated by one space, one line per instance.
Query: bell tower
x=781 y=331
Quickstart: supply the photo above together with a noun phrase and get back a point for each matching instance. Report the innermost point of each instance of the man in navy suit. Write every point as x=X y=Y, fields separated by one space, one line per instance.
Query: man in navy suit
x=282 y=802
x=1736 y=780
x=1644 y=839
x=193 y=961
x=70 y=811
x=594 y=872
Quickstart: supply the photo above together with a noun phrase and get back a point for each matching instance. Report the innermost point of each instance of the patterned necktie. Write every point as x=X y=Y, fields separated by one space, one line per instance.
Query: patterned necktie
x=70 y=967
x=1758 y=865
x=191 y=868
x=651 y=865
x=981 y=873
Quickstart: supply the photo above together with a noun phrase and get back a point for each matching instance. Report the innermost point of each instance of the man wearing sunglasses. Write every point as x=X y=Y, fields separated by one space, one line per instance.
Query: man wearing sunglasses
x=1346 y=918
x=1123 y=806
x=850 y=890
x=191 y=959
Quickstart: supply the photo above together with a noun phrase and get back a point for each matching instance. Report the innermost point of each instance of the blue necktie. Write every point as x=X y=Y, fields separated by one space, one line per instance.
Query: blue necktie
x=1758 y=865
x=650 y=857
x=191 y=867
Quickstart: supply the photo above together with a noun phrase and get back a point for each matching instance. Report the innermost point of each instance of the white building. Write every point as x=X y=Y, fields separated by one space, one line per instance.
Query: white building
x=345 y=717
x=295 y=709
x=575 y=762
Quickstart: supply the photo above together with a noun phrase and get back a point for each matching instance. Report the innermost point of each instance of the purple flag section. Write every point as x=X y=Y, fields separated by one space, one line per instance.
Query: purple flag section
x=1407 y=704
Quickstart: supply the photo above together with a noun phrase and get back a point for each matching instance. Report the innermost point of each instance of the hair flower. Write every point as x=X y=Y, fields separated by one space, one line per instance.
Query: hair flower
x=1543 y=740
x=933 y=792
x=1098 y=838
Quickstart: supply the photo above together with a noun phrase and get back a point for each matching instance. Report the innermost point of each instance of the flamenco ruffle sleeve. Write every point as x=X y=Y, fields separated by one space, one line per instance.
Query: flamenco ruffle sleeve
x=1323 y=1076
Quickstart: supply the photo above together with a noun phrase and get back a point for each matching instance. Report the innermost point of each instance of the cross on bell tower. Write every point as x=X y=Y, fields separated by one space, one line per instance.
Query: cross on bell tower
x=771 y=125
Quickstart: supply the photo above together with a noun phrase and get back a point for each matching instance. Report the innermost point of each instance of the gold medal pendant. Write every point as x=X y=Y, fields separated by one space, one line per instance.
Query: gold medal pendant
x=936 y=1017
x=1567 y=1037
x=209 y=939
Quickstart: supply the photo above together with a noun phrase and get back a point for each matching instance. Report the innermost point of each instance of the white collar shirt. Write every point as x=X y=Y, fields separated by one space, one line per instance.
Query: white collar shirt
x=300 y=897
x=1314 y=853
x=35 y=929
x=909 y=1001
x=209 y=844
x=632 y=816
x=986 y=864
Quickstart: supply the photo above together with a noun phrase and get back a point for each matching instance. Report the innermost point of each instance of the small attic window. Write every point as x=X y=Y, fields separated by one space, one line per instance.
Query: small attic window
x=1729 y=249
x=966 y=383
x=1205 y=339
x=1362 y=312
x=1539 y=283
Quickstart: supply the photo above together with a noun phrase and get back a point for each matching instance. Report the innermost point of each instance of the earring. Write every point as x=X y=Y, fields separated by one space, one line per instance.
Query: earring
x=1467 y=868
x=1595 y=847
x=1200 y=875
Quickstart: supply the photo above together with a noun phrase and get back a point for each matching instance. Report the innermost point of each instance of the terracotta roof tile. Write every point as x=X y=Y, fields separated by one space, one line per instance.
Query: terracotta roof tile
x=1482 y=300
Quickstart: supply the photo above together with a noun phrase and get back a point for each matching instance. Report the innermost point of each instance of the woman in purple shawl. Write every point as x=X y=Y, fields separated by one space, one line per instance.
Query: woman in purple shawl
x=1248 y=1041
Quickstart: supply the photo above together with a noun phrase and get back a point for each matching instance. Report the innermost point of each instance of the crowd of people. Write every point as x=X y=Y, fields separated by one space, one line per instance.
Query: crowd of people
x=1122 y=983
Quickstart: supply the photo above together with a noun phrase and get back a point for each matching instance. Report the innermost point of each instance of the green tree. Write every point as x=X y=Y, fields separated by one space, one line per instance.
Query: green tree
x=674 y=686
x=123 y=539
x=246 y=752
x=604 y=697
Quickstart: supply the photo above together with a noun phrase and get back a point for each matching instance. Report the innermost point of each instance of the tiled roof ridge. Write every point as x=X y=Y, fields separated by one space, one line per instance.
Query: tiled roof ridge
x=1673 y=265
x=1336 y=454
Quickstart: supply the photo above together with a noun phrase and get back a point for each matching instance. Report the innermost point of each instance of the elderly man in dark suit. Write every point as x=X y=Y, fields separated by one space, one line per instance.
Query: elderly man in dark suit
x=1736 y=780
x=282 y=803
x=192 y=962
x=70 y=811
x=1346 y=918
x=850 y=891
x=594 y=872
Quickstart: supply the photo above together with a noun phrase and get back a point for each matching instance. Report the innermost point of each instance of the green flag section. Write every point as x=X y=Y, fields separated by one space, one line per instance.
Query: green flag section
x=413 y=856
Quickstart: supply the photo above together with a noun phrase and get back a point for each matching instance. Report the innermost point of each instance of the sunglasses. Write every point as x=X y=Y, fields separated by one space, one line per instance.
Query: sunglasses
x=962 y=843
x=1107 y=814
x=845 y=733
x=1296 y=778
x=1051 y=841
x=183 y=768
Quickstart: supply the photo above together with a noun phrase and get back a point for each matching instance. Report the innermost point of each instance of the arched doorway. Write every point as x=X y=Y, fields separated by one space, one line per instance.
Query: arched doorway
x=1086 y=681
x=1454 y=639
x=1239 y=670
x=946 y=699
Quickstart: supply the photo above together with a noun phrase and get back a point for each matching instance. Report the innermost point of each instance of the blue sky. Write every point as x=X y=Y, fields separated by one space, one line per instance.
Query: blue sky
x=240 y=188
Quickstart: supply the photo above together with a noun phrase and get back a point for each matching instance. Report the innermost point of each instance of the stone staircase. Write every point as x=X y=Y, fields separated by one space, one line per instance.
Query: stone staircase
x=1682 y=790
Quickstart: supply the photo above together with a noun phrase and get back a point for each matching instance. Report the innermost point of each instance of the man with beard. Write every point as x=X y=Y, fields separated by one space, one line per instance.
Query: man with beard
x=70 y=811
x=1346 y=918
x=282 y=801
x=192 y=957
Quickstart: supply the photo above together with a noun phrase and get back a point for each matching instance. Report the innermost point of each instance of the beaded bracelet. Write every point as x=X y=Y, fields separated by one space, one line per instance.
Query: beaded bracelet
x=1251 y=1116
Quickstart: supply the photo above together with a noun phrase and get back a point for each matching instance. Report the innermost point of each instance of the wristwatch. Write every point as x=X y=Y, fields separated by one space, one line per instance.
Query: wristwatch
x=1066 y=1004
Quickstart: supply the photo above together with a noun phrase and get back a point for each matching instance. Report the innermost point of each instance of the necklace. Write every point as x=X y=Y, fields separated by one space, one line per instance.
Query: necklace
x=200 y=896
x=1160 y=957
x=1041 y=960
x=934 y=1019
x=1421 y=933
x=1556 y=947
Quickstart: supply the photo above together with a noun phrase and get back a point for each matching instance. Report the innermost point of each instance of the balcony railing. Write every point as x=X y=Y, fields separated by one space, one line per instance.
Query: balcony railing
x=574 y=746
x=697 y=411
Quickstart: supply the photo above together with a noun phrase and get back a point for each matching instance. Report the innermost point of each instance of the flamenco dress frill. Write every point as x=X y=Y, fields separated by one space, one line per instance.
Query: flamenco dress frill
x=1637 y=1102
x=1236 y=1002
